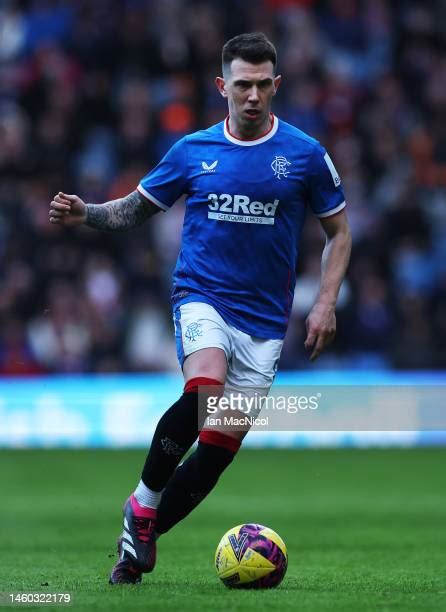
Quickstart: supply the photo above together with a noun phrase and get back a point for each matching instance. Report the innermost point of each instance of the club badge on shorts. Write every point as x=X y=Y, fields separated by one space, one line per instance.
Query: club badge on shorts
x=193 y=331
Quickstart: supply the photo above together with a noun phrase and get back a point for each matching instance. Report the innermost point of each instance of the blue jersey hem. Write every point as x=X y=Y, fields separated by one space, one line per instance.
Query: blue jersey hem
x=228 y=318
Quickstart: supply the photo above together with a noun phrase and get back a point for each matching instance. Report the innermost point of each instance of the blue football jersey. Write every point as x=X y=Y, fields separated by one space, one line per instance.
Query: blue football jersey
x=245 y=209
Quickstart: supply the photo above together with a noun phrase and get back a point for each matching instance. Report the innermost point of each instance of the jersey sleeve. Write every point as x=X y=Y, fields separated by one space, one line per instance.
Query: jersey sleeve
x=326 y=196
x=168 y=180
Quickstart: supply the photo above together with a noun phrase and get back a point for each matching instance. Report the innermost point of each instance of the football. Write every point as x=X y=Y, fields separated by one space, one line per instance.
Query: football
x=251 y=556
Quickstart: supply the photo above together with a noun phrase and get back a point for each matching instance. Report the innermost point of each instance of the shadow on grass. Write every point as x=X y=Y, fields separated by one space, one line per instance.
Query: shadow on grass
x=215 y=588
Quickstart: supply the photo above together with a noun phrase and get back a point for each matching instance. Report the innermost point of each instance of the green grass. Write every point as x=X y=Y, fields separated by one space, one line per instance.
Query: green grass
x=365 y=530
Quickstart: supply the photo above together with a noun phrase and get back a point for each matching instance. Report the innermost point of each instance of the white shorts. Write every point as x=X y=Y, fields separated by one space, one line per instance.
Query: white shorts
x=252 y=362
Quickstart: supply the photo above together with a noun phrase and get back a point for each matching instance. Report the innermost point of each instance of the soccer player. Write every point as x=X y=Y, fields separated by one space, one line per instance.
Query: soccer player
x=249 y=181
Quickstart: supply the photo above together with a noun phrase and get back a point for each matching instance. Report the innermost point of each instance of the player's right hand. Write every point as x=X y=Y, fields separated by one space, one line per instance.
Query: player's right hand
x=67 y=210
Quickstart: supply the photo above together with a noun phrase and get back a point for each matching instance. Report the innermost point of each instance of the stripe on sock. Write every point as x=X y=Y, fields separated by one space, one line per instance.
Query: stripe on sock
x=216 y=438
x=200 y=381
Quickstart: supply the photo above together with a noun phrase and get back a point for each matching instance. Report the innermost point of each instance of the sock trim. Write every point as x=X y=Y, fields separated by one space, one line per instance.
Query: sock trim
x=141 y=510
x=147 y=497
x=200 y=381
x=216 y=438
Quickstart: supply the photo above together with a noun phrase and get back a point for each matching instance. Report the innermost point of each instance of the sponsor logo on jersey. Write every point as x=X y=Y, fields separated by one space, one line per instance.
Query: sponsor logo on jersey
x=279 y=166
x=240 y=209
x=209 y=167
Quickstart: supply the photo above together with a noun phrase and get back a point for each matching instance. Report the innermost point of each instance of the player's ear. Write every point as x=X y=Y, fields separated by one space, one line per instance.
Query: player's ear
x=277 y=81
x=221 y=86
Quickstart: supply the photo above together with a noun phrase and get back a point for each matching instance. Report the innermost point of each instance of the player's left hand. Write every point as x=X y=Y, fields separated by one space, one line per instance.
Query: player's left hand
x=321 y=329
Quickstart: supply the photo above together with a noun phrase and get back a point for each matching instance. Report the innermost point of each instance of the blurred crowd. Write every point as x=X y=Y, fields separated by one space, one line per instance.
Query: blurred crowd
x=93 y=93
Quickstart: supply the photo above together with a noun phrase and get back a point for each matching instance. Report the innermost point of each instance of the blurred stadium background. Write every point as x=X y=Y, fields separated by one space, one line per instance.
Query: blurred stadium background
x=92 y=94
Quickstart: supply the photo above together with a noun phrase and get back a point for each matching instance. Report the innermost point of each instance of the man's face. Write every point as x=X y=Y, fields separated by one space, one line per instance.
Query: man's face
x=249 y=89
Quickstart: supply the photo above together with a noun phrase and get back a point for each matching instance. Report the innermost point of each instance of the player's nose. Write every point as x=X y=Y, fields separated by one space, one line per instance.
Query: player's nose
x=253 y=94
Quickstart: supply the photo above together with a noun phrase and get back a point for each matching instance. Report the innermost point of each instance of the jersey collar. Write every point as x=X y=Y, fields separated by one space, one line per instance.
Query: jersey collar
x=250 y=143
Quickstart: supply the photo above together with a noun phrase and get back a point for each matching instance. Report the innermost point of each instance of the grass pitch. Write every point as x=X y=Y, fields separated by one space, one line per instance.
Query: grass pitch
x=365 y=530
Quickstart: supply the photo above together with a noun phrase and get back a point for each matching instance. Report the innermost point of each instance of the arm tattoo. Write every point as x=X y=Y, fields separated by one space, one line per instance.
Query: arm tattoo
x=121 y=214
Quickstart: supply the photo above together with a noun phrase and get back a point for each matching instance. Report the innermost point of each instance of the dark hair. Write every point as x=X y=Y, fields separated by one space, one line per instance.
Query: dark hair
x=254 y=48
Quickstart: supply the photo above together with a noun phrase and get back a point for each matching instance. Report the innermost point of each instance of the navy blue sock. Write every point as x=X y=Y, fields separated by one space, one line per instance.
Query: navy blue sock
x=175 y=433
x=195 y=478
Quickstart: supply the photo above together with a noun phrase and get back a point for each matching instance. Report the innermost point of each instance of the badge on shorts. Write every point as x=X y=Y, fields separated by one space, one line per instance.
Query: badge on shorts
x=193 y=331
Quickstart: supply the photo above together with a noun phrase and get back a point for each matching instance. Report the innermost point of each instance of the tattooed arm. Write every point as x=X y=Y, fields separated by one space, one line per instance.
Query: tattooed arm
x=117 y=215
